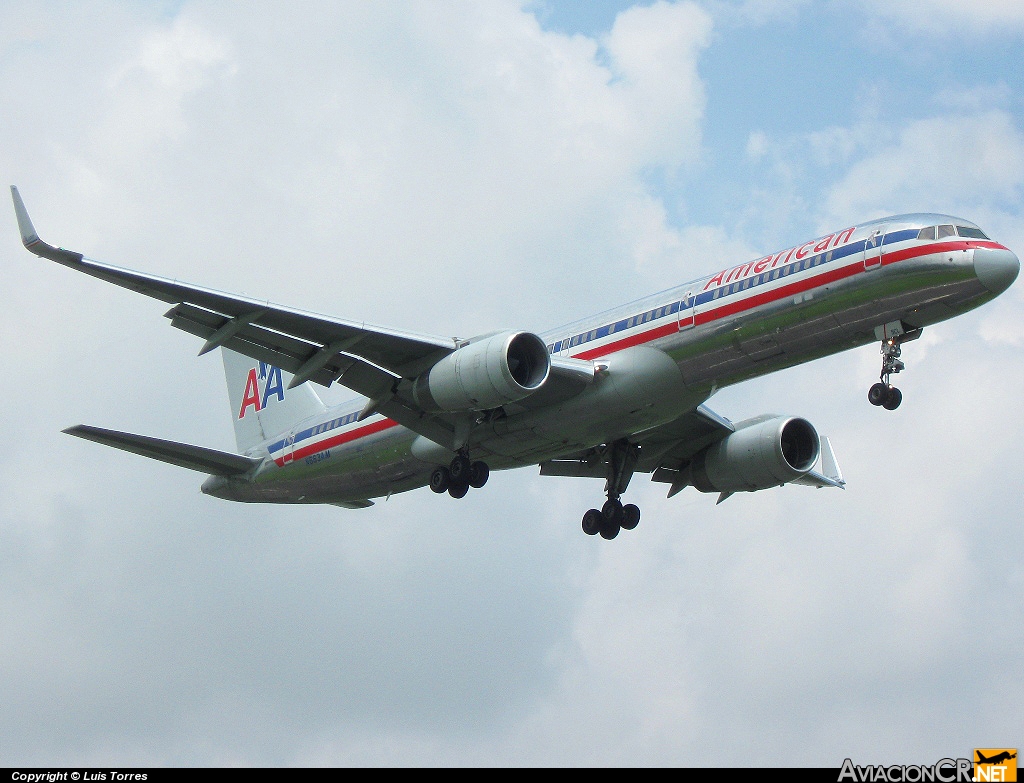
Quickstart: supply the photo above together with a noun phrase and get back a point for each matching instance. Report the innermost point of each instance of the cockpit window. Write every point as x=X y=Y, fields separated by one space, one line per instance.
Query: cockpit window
x=970 y=233
x=926 y=233
x=946 y=231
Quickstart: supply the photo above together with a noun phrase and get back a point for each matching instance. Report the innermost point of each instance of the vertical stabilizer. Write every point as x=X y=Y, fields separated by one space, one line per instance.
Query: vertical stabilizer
x=262 y=405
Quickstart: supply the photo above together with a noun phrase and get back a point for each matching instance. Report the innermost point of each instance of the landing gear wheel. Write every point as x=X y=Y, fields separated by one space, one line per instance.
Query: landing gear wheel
x=592 y=522
x=440 y=479
x=459 y=468
x=478 y=474
x=878 y=394
x=630 y=516
x=611 y=518
x=458 y=490
x=893 y=400
x=609 y=528
x=612 y=511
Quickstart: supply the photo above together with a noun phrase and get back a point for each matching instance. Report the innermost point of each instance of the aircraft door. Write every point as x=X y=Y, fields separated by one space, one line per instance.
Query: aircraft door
x=289 y=449
x=873 y=249
x=686 y=311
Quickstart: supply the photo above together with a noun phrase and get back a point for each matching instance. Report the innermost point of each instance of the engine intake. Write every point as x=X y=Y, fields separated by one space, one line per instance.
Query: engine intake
x=486 y=374
x=764 y=452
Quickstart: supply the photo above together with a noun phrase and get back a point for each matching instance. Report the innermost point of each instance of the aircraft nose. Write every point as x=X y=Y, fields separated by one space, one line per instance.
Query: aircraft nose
x=995 y=268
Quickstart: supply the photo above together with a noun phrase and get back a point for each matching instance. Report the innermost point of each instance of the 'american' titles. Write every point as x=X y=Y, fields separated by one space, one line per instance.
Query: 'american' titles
x=831 y=242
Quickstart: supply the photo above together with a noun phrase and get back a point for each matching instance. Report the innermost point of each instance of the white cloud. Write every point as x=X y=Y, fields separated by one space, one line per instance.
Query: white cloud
x=368 y=162
x=757 y=145
x=953 y=17
x=937 y=164
x=453 y=168
x=756 y=12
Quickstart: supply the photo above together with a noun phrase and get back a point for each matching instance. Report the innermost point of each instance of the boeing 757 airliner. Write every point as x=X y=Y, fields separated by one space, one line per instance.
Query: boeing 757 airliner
x=608 y=396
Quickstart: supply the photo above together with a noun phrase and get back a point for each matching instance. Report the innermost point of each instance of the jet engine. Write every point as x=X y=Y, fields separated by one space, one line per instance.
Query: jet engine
x=763 y=452
x=485 y=374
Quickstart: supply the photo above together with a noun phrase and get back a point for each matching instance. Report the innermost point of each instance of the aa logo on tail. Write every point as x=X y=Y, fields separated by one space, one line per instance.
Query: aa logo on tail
x=995 y=764
x=272 y=384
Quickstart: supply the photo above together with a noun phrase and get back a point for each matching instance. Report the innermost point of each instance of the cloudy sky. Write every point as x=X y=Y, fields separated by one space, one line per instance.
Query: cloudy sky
x=457 y=167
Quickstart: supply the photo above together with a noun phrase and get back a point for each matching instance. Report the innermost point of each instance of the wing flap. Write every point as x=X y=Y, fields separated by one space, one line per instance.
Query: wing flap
x=353 y=504
x=576 y=468
x=183 y=455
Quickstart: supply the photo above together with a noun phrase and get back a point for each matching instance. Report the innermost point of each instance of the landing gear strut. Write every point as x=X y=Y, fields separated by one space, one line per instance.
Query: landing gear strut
x=614 y=516
x=459 y=476
x=883 y=393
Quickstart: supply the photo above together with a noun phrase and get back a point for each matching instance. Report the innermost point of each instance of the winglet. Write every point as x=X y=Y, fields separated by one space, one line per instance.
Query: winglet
x=31 y=239
x=830 y=465
x=29 y=236
x=830 y=475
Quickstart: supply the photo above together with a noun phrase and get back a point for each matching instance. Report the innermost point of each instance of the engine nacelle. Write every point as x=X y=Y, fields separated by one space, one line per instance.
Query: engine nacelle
x=764 y=452
x=486 y=374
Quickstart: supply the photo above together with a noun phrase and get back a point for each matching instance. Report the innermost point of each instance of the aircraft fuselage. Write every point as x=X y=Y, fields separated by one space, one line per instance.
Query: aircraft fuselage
x=661 y=356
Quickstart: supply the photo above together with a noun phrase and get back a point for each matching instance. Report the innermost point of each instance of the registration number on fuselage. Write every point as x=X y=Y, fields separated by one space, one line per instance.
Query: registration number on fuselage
x=312 y=459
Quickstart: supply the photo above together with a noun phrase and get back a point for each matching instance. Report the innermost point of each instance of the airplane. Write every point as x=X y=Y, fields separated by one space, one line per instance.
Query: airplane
x=608 y=396
x=999 y=758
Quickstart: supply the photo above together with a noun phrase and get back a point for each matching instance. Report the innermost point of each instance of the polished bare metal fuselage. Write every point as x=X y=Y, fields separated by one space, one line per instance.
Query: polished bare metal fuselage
x=665 y=355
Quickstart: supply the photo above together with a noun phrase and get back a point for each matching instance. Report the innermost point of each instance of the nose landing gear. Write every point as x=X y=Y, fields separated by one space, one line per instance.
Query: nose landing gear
x=883 y=393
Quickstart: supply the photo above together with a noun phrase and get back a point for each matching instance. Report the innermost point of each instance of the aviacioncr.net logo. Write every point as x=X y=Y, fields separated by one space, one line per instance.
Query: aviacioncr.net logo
x=995 y=764
x=942 y=771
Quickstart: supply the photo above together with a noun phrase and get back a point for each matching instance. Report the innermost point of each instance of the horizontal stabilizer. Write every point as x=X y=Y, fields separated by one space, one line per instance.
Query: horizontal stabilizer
x=219 y=463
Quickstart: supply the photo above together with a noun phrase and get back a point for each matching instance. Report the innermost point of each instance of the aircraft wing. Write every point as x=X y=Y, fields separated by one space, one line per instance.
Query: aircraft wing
x=367 y=359
x=665 y=450
x=310 y=346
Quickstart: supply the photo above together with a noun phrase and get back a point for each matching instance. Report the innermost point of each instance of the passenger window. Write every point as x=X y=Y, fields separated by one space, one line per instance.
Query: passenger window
x=946 y=231
x=926 y=233
x=970 y=233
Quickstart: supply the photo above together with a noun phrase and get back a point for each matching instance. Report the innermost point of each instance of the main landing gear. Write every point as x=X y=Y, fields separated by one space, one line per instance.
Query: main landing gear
x=883 y=393
x=459 y=476
x=614 y=516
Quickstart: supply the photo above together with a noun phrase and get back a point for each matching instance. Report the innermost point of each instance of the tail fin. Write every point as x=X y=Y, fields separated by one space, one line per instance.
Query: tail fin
x=262 y=405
